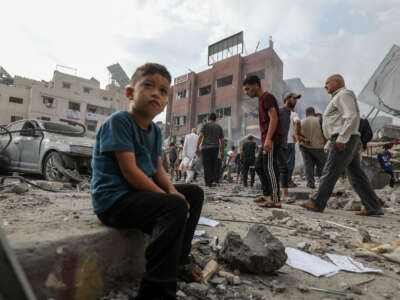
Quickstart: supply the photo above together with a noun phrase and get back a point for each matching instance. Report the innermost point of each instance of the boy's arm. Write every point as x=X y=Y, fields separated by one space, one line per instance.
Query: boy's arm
x=273 y=124
x=134 y=175
x=199 y=140
x=161 y=178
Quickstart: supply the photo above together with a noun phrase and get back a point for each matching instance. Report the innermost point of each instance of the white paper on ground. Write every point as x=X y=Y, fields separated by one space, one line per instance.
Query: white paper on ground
x=310 y=263
x=208 y=222
x=199 y=232
x=346 y=263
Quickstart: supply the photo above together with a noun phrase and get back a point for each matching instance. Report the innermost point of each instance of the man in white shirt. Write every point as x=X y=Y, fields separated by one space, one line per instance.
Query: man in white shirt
x=189 y=152
x=340 y=127
x=291 y=145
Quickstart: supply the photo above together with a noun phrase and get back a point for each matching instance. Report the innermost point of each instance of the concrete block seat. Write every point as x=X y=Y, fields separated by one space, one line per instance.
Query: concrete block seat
x=66 y=253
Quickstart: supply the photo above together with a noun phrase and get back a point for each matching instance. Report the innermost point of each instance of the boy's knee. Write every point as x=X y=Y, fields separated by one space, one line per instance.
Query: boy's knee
x=178 y=205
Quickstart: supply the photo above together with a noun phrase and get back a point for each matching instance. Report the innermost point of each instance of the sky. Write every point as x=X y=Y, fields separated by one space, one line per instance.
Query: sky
x=314 y=38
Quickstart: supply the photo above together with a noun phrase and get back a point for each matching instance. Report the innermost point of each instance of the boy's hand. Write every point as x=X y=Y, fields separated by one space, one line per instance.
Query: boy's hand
x=268 y=145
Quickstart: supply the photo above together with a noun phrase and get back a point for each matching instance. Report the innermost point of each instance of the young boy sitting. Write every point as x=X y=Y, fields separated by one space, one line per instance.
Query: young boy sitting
x=383 y=159
x=131 y=189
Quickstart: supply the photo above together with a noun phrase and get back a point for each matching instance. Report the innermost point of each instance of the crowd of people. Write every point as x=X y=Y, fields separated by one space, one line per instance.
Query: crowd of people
x=131 y=189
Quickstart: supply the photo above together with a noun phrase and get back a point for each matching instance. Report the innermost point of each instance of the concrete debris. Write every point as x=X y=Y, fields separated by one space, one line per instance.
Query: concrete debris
x=362 y=236
x=18 y=188
x=304 y=246
x=280 y=214
x=302 y=288
x=210 y=269
x=259 y=252
x=353 y=205
x=194 y=288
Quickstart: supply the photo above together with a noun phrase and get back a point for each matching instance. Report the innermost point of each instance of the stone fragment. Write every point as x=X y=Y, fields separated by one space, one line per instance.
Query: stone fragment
x=278 y=287
x=356 y=290
x=259 y=252
x=19 y=188
x=362 y=236
x=210 y=269
x=196 y=289
x=280 y=214
x=221 y=289
x=393 y=256
x=218 y=280
x=353 y=205
x=304 y=246
x=302 y=288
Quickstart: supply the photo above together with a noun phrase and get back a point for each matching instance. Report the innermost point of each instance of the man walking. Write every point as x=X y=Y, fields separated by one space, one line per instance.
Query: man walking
x=248 y=157
x=189 y=152
x=271 y=138
x=340 y=126
x=287 y=115
x=211 y=135
x=312 y=143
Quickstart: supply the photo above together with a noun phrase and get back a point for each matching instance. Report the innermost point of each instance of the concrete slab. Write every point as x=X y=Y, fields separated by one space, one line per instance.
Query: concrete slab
x=300 y=193
x=68 y=254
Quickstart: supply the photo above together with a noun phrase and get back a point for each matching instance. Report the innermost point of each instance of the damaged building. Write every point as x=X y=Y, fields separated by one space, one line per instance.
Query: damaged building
x=219 y=89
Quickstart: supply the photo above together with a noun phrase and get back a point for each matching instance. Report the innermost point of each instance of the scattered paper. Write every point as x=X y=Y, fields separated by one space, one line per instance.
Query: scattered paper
x=208 y=222
x=346 y=263
x=310 y=263
x=199 y=232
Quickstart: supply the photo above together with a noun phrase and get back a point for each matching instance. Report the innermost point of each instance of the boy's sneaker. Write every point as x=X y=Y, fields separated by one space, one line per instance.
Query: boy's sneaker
x=288 y=200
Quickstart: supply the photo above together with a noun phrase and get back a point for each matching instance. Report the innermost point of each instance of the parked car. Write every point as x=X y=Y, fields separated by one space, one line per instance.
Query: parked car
x=53 y=149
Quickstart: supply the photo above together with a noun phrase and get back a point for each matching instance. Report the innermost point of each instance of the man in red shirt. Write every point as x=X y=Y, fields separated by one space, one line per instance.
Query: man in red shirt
x=271 y=138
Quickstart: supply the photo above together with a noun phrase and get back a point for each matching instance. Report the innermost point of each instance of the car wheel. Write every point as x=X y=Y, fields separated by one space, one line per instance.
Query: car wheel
x=51 y=167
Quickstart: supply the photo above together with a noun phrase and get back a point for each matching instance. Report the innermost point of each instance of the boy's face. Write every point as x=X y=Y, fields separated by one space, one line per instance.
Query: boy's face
x=250 y=90
x=149 y=96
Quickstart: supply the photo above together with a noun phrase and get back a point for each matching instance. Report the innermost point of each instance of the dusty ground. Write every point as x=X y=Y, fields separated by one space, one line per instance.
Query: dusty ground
x=70 y=211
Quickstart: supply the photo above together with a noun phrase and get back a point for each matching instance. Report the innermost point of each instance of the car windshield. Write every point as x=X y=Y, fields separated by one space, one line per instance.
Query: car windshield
x=63 y=129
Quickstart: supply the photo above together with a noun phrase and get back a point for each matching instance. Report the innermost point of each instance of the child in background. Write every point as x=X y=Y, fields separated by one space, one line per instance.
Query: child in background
x=383 y=159
x=173 y=161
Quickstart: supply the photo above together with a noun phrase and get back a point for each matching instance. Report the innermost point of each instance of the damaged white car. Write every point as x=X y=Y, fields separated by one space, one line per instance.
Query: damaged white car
x=56 y=150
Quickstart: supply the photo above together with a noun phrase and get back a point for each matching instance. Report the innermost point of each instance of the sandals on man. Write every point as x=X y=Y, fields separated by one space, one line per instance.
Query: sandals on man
x=270 y=204
x=261 y=199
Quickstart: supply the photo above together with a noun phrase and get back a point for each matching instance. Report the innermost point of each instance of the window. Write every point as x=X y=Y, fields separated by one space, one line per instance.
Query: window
x=180 y=121
x=205 y=90
x=15 y=118
x=48 y=101
x=202 y=118
x=260 y=74
x=86 y=90
x=66 y=85
x=91 y=109
x=74 y=106
x=16 y=100
x=105 y=98
x=227 y=111
x=223 y=112
x=181 y=94
x=224 y=81
x=44 y=118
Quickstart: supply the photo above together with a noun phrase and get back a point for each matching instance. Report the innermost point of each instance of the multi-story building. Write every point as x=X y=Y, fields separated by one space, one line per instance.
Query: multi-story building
x=64 y=97
x=219 y=89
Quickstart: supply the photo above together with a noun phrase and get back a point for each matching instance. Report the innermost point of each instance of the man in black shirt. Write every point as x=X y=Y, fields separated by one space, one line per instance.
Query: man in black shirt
x=248 y=157
x=211 y=135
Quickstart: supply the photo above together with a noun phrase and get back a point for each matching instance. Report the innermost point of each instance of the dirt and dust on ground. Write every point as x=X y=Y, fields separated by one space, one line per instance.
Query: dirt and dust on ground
x=336 y=231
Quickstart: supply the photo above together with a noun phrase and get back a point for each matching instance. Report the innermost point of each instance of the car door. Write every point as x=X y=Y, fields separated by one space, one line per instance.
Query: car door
x=11 y=153
x=29 y=146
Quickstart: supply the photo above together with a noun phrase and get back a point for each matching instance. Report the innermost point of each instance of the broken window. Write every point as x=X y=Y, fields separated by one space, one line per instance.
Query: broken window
x=91 y=108
x=74 y=106
x=86 y=90
x=181 y=94
x=260 y=74
x=48 y=101
x=66 y=85
x=16 y=100
x=205 y=90
x=220 y=113
x=202 y=118
x=227 y=111
x=180 y=121
x=45 y=118
x=224 y=81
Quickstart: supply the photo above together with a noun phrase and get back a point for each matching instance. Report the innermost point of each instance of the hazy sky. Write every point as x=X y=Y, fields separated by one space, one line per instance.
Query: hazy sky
x=314 y=38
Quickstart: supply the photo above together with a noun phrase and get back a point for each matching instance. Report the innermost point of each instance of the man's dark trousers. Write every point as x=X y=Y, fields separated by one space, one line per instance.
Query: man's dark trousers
x=163 y=217
x=268 y=171
x=249 y=165
x=338 y=162
x=210 y=163
x=283 y=167
x=313 y=157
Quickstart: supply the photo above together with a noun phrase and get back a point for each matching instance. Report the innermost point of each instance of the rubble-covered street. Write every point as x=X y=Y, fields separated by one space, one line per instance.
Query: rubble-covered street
x=337 y=231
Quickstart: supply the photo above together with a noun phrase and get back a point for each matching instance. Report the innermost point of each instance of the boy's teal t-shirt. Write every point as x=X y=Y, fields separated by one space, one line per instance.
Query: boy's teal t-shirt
x=121 y=133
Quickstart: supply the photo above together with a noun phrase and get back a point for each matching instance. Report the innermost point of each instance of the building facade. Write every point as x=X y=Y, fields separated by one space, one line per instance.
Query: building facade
x=219 y=89
x=64 y=97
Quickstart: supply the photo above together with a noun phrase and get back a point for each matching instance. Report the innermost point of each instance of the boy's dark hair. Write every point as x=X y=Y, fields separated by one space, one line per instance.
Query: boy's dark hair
x=251 y=138
x=251 y=80
x=233 y=147
x=310 y=111
x=386 y=147
x=150 y=69
x=171 y=144
x=212 y=117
